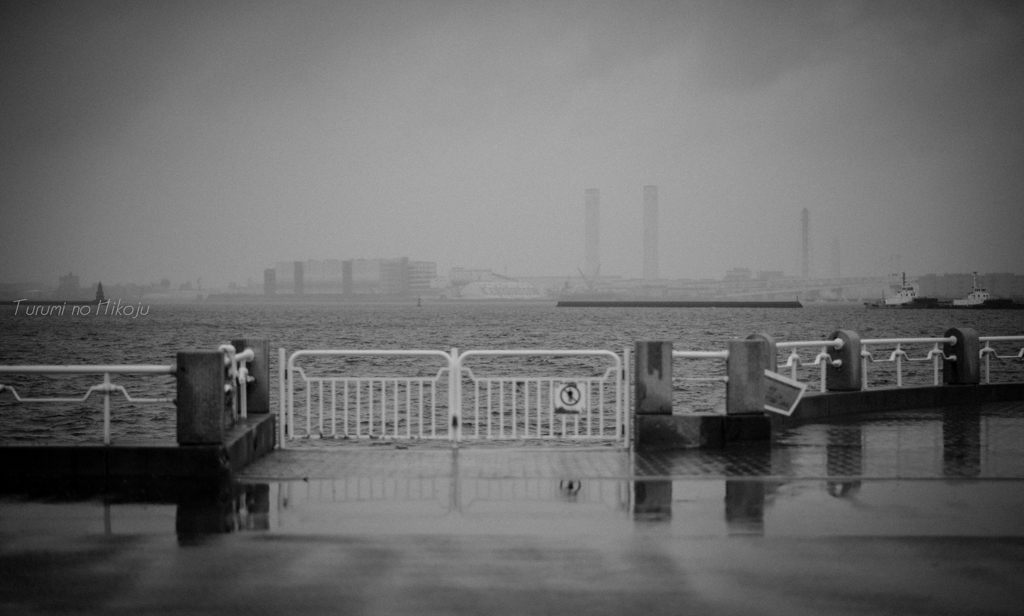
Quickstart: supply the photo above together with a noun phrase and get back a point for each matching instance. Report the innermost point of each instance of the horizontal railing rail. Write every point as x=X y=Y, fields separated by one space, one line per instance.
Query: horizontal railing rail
x=987 y=352
x=723 y=355
x=898 y=355
x=106 y=388
x=794 y=361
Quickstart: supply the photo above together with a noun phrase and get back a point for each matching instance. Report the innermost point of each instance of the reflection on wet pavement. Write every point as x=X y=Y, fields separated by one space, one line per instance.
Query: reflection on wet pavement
x=920 y=510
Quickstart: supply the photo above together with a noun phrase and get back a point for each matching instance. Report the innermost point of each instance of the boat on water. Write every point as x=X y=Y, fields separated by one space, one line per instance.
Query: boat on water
x=906 y=298
x=980 y=299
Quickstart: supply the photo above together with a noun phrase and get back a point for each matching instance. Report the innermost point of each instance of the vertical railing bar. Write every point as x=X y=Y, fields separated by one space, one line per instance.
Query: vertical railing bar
x=394 y=409
x=576 y=417
x=106 y=408
x=476 y=408
x=825 y=360
x=345 y=405
x=369 y=410
x=864 y=368
x=540 y=408
x=551 y=408
x=320 y=399
x=291 y=400
x=334 y=408
x=501 y=408
x=359 y=408
x=408 y=408
x=420 y=422
x=309 y=403
x=515 y=393
x=433 y=408
x=282 y=404
x=600 y=410
x=489 y=408
x=899 y=366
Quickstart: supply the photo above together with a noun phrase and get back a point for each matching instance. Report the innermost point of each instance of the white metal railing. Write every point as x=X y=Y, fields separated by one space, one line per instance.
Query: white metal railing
x=822 y=359
x=106 y=387
x=987 y=352
x=369 y=400
x=238 y=377
x=430 y=406
x=512 y=404
x=898 y=355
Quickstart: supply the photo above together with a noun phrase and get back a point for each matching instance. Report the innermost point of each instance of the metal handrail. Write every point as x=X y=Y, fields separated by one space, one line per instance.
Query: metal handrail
x=987 y=352
x=823 y=359
x=936 y=355
x=702 y=355
x=106 y=388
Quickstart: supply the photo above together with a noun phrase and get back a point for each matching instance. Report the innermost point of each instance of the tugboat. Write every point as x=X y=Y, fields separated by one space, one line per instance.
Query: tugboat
x=977 y=296
x=907 y=298
x=980 y=299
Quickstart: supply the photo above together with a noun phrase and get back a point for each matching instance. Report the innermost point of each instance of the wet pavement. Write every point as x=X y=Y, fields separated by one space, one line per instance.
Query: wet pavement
x=905 y=513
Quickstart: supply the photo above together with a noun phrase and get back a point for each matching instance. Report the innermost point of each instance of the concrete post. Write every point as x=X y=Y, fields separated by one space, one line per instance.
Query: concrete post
x=204 y=407
x=258 y=392
x=652 y=376
x=771 y=352
x=846 y=377
x=744 y=392
x=966 y=368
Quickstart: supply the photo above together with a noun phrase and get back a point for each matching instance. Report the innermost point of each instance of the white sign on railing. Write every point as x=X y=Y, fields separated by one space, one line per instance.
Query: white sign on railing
x=782 y=394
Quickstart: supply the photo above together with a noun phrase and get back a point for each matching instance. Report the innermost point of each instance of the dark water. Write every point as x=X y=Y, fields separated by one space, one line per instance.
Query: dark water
x=156 y=337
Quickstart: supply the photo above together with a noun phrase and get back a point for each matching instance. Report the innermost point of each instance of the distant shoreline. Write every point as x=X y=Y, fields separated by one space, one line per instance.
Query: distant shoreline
x=674 y=304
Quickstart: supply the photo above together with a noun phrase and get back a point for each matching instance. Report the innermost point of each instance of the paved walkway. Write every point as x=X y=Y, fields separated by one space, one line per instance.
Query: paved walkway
x=909 y=513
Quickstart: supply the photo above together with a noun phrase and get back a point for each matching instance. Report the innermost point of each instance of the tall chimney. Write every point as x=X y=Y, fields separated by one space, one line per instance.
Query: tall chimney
x=592 y=245
x=806 y=259
x=650 y=232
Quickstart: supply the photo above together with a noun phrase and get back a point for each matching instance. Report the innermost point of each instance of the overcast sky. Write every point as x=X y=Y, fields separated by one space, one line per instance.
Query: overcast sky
x=185 y=140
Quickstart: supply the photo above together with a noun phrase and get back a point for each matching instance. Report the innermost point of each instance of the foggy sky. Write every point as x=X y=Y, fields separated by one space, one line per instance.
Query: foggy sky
x=145 y=140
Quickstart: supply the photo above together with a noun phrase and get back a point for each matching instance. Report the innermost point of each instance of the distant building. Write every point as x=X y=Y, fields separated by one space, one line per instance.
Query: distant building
x=420 y=275
x=461 y=276
x=270 y=281
x=398 y=276
x=503 y=290
x=737 y=274
x=299 y=278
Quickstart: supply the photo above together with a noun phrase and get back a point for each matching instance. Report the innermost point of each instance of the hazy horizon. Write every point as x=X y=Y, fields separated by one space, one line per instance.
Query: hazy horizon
x=188 y=140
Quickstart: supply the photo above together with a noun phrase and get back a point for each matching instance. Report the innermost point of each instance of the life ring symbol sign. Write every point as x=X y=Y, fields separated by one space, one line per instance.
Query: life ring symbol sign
x=569 y=399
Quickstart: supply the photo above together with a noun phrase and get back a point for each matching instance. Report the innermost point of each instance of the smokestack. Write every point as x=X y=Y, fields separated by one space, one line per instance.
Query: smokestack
x=592 y=245
x=836 y=270
x=806 y=261
x=650 y=232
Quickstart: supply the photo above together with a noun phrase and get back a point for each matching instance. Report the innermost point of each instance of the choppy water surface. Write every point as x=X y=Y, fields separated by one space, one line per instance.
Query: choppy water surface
x=156 y=337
